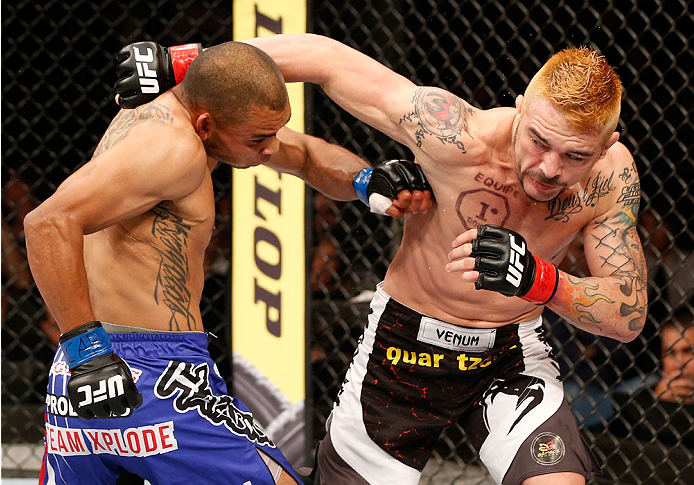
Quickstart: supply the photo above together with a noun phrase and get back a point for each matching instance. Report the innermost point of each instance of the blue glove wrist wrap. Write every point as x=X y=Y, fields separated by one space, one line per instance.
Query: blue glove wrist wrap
x=86 y=346
x=361 y=182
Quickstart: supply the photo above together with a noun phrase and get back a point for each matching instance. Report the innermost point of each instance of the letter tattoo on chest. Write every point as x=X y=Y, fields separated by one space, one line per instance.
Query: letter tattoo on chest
x=174 y=272
x=482 y=206
x=439 y=114
x=561 y=208
x=489 y=205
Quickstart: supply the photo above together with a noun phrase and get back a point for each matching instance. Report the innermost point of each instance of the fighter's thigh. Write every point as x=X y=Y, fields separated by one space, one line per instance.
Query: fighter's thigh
x=333 y=470
x=209 y=430
x=554 y=453
x=566 y=478
x=75 y=470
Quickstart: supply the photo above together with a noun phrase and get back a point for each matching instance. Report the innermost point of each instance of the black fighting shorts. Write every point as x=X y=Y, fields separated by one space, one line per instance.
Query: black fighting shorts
x=412 y=375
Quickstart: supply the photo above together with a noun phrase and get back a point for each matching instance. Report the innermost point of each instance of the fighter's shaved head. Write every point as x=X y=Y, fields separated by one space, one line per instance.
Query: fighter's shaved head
x=229 y=79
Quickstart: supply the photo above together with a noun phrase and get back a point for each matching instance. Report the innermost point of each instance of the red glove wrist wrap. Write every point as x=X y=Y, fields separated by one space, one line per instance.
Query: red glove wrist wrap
x=181 y=57
x=545 y=284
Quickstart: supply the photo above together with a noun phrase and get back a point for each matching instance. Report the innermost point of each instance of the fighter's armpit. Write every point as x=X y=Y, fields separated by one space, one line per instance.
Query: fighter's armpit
x=441 y=115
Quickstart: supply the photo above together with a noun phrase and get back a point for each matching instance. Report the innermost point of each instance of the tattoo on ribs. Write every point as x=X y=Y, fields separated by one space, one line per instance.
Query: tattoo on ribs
x=439 y=114
x=174 y=273
x=127 y=118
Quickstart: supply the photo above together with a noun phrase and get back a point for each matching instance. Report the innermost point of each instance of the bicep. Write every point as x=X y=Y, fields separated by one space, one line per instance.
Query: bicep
x=375 y=95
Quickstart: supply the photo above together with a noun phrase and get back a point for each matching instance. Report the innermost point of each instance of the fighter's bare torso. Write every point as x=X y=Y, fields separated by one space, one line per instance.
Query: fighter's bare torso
x=148 y=270
x=475 y=182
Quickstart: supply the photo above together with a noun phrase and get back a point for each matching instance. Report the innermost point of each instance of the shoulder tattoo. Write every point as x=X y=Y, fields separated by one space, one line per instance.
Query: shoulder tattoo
x=127 y=118
x=440 y=114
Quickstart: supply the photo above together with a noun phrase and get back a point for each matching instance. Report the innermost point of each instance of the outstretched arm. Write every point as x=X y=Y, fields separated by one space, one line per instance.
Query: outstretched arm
x=364 y=87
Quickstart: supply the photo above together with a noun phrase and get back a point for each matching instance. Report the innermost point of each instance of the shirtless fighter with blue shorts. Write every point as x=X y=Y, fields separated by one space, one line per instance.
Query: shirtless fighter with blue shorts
x=117 y=253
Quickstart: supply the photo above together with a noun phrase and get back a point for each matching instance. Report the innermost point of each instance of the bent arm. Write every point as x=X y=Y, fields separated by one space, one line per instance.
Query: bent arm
x=326 y=167
x=123 y=181
x=613 y=301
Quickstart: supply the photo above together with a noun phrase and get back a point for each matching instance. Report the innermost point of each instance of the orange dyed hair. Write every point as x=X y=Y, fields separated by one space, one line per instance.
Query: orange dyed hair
x=583 y=85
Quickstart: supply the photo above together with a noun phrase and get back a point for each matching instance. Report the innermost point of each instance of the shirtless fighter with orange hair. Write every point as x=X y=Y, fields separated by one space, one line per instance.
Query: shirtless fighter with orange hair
x=455 y=333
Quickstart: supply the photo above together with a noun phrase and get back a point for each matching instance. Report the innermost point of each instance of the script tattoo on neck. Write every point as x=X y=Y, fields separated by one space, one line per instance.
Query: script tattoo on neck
x=171 y=287
x=127 y=118
x=440 y=114
x=561 y=208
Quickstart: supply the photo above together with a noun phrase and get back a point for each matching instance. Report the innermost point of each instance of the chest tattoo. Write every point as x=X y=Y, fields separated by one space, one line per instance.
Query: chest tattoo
x=561 y=208
x=485 y=205
x=490 y=183
x=482 y=206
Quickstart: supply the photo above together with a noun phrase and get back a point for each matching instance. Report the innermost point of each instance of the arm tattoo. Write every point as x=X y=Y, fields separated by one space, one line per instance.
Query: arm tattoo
x=174 y=272
x=439 y=114
x=616 y=305
x=127 y=118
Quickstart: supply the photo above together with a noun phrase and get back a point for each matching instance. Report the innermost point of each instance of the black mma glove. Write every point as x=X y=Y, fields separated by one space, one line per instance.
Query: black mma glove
x=505 y=265
x=101 y=385
x=376 y=186
x=146 y=69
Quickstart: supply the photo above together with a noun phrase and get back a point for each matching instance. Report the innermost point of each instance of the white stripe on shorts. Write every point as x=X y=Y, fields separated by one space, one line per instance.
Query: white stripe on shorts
x=347 y=430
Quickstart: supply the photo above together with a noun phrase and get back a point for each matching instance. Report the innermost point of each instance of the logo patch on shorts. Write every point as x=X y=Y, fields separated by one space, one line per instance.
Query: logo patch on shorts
x=189 y=387
x=453 y=337
x=547 y=449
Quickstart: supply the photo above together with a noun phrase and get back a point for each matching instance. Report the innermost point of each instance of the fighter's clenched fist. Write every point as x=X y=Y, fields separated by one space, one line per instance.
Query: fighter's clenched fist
x=497 y=259
x=146 y=69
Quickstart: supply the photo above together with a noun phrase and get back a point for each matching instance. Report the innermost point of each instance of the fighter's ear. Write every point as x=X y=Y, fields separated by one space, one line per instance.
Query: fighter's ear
x=519 y=101
x=611 y=141
x=204 y=125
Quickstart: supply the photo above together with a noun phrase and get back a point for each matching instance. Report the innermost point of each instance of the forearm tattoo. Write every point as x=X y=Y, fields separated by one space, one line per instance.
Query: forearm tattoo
x=440 y=114
x=127 y=118
x=171 y=287
x=613 y=306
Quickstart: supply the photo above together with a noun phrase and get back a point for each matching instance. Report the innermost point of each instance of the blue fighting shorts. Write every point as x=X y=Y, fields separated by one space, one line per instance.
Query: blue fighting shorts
x=187 y=431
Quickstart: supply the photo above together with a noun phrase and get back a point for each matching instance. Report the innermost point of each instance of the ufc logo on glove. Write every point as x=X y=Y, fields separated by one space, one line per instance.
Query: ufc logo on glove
x=515 y=267
x=506 y=266
x=146 y=76
x=107 y=389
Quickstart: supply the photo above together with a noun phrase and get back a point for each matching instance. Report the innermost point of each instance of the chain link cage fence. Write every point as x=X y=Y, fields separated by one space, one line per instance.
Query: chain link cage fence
x=57 y=66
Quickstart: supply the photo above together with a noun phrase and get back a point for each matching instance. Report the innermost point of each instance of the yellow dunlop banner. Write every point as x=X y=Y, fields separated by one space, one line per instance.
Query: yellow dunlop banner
x=268 y=264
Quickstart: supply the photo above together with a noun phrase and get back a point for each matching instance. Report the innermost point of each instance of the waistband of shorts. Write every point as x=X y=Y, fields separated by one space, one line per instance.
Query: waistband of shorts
x=157 y=343
x=505 y=330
